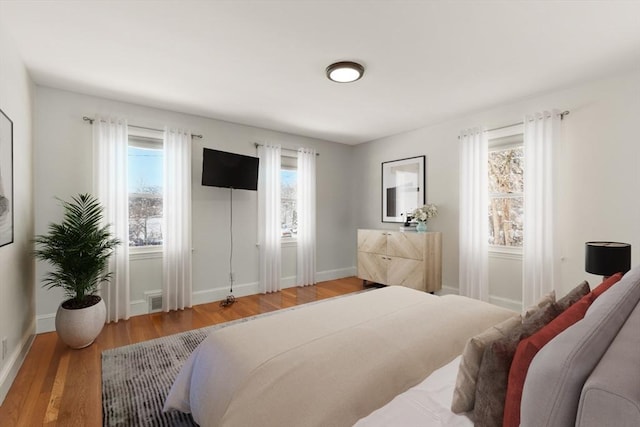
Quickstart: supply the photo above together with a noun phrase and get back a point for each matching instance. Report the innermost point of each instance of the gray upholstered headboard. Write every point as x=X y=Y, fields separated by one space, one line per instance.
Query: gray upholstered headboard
x=611 y=394
x=558 y=373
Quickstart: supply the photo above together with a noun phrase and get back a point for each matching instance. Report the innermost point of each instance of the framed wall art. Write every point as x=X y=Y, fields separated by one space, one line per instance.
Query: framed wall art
x=6 y=179
x=403 y=188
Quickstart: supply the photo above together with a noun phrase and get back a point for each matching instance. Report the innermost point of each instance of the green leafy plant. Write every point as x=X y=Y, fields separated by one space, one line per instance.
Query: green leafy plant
x=78 y=249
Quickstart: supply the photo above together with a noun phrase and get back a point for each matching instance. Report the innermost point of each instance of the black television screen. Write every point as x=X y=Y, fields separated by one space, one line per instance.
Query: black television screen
x=229 y=170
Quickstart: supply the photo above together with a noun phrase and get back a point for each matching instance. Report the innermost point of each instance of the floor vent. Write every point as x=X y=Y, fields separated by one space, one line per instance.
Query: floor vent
x=155 y=303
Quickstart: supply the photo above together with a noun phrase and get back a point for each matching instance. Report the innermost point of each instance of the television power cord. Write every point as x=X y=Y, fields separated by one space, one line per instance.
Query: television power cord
x=230 y=298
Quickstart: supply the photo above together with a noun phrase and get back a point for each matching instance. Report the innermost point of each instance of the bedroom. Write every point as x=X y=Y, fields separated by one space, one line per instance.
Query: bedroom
x=599 y=162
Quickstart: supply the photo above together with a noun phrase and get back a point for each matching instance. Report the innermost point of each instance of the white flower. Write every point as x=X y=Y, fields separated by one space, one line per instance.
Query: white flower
x=425 y=212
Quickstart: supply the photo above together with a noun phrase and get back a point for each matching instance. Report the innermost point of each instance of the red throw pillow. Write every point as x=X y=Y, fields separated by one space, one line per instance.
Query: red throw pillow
x=526 y=351
x=606 y=284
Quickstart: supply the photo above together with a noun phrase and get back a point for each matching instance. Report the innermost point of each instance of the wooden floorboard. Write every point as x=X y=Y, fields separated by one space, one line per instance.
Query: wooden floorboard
x=58 y=386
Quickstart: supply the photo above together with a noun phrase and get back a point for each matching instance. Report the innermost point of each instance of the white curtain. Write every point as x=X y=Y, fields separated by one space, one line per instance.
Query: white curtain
x=474 y=215
x=541 y=135
x=306 y=206
x=269 y=217
x=176 y=260
x=110 y=154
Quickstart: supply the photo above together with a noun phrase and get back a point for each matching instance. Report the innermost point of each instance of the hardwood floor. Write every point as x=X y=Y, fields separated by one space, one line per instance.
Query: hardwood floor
x=58 y=386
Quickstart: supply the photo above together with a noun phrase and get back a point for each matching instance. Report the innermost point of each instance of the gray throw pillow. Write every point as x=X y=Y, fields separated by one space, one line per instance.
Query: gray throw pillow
x=574 y=295
x=464 y=393
x=493 y=375
x=546 y=299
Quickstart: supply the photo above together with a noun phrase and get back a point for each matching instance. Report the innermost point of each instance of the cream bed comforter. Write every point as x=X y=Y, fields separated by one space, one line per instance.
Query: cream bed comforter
x=326 y=364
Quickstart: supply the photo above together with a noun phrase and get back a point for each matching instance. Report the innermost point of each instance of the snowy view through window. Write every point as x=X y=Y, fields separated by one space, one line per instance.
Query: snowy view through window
x=288 y=212
x=505 y=196
x=145 y=196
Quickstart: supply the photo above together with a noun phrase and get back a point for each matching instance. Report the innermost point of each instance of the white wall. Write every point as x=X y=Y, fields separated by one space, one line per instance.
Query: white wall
x=17 y=304
x=62 y=156
x=598 y=176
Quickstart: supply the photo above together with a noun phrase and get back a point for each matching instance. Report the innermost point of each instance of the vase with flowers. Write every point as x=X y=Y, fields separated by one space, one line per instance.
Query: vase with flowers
x=422 y=214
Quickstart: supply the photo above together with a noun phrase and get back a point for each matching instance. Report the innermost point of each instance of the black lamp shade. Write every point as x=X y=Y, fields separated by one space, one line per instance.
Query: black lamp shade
x=607 y=258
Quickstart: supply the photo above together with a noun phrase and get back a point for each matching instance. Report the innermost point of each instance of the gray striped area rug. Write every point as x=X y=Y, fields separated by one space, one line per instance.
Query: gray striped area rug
x=136 y=378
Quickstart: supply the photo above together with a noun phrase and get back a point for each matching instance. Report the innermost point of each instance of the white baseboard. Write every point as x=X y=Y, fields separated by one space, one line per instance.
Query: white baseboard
x=499 y=301
x=286 y=282
x=138 y=307
x=448 y=290
x=46 y=322
x=323 y=276
x=14 y=362
x=218 y=294
x=511 y=304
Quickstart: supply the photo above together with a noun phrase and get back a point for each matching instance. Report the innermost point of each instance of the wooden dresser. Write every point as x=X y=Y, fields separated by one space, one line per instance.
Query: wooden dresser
x=408 y=259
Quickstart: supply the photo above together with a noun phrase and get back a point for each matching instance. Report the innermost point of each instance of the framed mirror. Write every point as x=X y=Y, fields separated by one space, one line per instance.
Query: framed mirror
x=403 y=188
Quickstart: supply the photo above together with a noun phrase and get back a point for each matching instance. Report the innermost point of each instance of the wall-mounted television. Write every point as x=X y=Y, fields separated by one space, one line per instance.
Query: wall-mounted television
x=229 y=170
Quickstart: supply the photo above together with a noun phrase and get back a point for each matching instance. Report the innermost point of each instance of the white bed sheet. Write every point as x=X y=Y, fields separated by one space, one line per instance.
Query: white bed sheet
x=428 y=404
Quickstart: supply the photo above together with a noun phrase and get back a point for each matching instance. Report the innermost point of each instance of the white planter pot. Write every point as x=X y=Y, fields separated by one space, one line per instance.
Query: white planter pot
x=79 y=328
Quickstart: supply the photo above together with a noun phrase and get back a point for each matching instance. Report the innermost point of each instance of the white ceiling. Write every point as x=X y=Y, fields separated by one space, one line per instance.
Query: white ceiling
x=262 y=63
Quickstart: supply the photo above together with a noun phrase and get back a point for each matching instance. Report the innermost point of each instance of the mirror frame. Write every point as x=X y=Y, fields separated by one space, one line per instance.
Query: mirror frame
x=419 y=161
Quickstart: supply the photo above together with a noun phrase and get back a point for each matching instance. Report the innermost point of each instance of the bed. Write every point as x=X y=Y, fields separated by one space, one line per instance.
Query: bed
x=326 y=364
x=391 y=357
x=588 y=375
x=427 y=404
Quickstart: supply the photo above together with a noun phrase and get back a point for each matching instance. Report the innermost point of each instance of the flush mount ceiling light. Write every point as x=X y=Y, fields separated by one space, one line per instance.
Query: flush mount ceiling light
x=345 y=72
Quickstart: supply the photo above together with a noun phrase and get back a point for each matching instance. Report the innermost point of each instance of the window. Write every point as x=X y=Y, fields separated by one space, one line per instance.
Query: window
x=288 y=197
x=506 y=201
x=145 y=191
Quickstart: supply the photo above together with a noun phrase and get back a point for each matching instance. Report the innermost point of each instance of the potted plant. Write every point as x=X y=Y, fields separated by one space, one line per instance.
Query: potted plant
x=78 y=249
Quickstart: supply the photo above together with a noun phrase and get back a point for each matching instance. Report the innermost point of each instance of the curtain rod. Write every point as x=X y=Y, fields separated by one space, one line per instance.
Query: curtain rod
x=564 y=113
x=257 y=144
x=90 y=120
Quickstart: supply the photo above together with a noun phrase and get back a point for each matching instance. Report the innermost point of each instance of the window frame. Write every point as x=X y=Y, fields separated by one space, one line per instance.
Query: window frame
x=498 y=140
x=149 y=139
